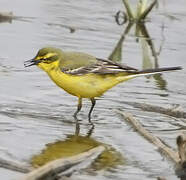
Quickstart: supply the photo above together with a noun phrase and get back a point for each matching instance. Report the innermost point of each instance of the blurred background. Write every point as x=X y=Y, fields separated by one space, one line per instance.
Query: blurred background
x=34 y=112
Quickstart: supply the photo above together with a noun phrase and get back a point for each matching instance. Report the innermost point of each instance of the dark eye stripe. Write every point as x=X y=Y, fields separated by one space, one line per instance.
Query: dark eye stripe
x=50 y=59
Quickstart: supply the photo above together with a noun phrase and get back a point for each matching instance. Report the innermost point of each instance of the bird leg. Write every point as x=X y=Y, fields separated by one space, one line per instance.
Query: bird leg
x=90 y=131
x=92 y=107
x=77 y=130
x=79 y=106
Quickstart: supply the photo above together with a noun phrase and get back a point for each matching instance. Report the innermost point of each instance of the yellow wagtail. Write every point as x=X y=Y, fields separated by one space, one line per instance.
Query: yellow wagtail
x=85 y=76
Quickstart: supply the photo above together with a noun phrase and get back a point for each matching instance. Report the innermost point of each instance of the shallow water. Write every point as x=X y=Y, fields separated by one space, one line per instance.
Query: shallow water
x=34 y=112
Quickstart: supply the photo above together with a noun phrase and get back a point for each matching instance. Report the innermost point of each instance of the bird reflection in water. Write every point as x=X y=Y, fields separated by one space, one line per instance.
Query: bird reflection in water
x=75 y=144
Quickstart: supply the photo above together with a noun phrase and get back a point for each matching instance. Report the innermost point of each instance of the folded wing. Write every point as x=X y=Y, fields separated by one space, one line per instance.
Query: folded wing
x=101 y=66
x=76 y=63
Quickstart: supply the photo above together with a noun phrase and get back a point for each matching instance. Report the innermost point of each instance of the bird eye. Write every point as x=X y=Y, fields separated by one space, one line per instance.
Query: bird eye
x=45 y=60
x=49 y=59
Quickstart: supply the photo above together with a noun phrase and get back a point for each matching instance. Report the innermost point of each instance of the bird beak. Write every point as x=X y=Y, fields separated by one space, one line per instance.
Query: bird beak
x=31 y=62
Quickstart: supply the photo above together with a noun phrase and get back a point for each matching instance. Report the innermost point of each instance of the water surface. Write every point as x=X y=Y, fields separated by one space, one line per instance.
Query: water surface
x=34 y=112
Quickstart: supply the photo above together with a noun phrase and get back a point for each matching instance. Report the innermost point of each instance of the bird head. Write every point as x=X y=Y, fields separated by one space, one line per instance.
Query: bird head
x=47 y=58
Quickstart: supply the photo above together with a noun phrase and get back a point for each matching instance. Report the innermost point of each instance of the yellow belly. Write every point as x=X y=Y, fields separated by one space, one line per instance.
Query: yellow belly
x=86 y=86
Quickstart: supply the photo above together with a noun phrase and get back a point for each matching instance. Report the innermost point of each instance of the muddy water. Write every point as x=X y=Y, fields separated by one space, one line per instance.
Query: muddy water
x=34 y=112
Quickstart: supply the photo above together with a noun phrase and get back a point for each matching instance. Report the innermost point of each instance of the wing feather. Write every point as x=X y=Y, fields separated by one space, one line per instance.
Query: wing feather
x=101 y=66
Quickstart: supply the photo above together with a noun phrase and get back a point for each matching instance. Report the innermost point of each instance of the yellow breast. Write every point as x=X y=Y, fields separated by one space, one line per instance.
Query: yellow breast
x=85 y=86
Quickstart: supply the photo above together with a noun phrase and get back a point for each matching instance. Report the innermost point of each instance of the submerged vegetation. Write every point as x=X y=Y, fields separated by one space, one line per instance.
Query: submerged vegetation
x=141 y=12
x=137 y=21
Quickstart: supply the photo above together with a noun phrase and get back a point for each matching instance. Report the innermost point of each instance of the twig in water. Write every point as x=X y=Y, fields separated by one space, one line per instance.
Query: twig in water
x=65 y=166
x=149 y=136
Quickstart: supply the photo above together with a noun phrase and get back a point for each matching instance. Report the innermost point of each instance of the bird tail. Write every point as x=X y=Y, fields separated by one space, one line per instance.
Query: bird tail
x=147 y=72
